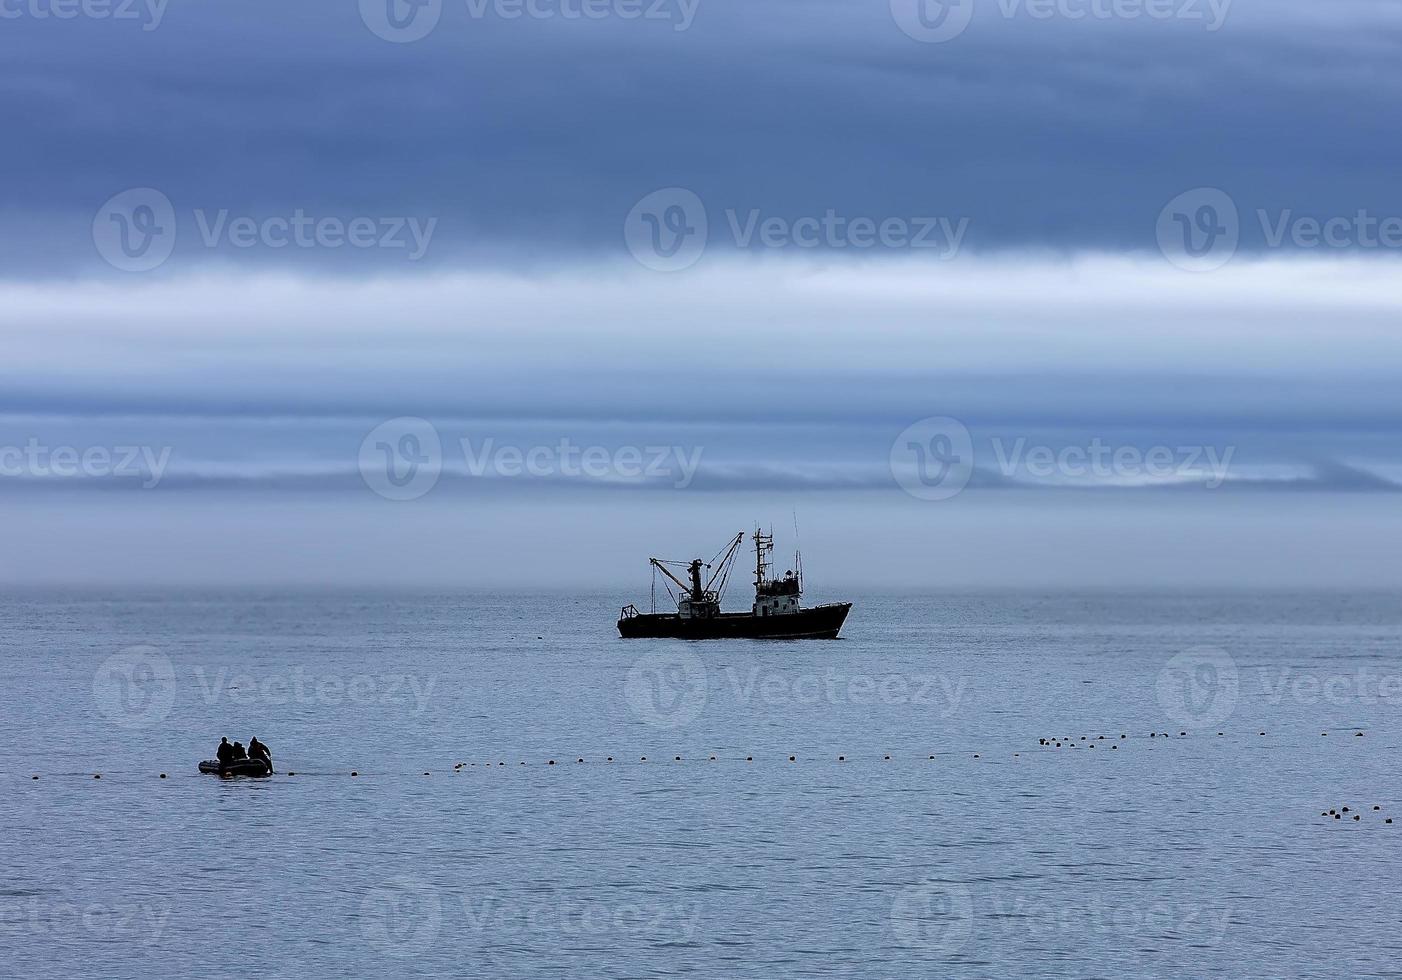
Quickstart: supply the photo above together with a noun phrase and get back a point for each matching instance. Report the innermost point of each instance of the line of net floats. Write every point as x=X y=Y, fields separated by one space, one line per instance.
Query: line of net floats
x=1048 y=742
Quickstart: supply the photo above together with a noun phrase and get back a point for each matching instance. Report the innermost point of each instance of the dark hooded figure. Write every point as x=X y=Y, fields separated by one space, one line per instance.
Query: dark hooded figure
x=239 y=752
x=257 y=750
x=225 y=752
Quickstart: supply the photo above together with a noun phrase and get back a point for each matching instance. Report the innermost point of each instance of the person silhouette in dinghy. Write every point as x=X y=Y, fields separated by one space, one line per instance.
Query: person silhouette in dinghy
x=239 y=752
x=225 y=752
x=258 y=750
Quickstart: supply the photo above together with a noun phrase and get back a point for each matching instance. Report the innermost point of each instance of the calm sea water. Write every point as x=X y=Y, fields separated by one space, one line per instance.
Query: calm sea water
x=1187 y=855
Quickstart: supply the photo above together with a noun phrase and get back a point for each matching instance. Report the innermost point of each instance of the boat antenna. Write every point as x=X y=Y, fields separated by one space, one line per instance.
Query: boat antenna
x=797 y=552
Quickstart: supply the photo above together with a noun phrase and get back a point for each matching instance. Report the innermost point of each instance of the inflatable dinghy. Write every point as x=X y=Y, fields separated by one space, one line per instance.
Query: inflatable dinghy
x=237 y=767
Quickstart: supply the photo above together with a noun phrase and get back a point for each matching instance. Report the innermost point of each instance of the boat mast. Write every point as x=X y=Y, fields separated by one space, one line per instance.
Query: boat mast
x=764 y=543
x=697 y=593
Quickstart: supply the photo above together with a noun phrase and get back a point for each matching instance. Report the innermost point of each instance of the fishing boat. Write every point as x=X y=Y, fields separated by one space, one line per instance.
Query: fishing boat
x=776 y=614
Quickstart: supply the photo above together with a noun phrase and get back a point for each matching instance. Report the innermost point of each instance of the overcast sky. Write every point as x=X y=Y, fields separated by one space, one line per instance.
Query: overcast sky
x=760 y=256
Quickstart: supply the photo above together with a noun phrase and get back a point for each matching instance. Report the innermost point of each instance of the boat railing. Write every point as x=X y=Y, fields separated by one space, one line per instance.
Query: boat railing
x=629 y=611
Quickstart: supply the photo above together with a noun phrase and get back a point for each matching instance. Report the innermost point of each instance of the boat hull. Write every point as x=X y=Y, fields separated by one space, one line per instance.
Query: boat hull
x=817 y=623
x=238 y=767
